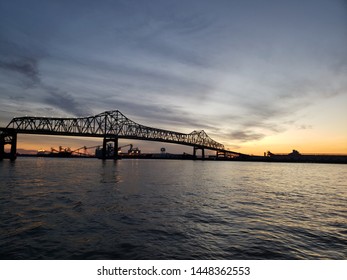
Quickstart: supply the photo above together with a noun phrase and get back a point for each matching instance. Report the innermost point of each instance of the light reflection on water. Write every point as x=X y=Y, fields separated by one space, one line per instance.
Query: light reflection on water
x=167 y=209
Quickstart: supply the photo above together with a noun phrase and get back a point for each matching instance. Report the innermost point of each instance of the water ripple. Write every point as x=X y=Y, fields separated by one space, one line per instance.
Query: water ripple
x=154 y=209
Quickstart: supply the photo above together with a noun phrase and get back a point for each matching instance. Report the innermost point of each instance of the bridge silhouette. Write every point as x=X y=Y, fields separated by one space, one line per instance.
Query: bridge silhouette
x=109 y=125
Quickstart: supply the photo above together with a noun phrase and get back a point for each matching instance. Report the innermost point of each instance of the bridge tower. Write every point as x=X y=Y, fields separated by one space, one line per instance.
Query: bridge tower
x=106 y=140
x=8 y=137
x=202 y=152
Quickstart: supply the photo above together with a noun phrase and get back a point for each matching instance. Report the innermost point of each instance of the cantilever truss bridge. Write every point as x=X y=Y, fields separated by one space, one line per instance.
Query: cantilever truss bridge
x=110 y=125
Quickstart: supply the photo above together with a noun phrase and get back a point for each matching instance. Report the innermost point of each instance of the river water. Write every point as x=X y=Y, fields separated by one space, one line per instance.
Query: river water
x=55 y=208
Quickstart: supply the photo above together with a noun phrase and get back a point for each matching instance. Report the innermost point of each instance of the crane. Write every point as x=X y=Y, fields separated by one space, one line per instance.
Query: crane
x=131 y=149
x=84 y=148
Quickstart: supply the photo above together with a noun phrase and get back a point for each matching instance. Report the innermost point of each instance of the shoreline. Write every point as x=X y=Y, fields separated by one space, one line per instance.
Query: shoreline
x=336 y=159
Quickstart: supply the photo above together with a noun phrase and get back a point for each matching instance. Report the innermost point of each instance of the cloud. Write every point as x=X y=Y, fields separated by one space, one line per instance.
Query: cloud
x=25 y=66
x=64 y=101
x=276 y=104
x=246 y=135
x=305 y=126
x=260 y=119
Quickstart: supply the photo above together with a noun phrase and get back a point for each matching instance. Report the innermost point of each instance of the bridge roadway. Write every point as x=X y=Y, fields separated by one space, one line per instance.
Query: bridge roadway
x=111 y=126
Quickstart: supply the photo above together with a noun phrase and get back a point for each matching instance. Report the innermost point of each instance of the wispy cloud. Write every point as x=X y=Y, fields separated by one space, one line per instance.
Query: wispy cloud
x=246 y=135
x=64 y=101
x=26 y=66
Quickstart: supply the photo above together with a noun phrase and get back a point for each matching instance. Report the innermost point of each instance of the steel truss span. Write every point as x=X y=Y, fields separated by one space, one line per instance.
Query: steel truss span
x=110 y=124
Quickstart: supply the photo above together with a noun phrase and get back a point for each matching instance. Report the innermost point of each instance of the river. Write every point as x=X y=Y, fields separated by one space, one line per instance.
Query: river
x=59 y=208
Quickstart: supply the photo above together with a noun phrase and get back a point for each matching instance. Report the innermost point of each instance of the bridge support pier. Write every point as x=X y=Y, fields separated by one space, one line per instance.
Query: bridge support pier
x=8 y=138
x=202 y=152
x=105 y=153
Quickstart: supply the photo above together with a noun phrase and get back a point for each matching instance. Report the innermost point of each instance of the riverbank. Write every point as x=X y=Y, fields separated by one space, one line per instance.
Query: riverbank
x=340 y=159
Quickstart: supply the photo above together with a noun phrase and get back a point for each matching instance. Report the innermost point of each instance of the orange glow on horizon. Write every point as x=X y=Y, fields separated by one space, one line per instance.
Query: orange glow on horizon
x=254 y=148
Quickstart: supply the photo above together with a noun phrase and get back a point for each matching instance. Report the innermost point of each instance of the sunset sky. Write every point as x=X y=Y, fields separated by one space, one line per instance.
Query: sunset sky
x=255 y=75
